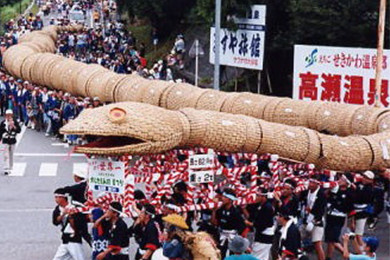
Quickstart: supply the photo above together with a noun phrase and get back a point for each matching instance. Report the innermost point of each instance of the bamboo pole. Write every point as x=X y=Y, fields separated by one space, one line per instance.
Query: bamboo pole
x=379 y=59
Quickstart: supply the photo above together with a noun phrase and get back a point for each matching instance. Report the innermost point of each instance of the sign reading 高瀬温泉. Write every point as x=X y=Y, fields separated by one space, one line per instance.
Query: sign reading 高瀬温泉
x=345 y=75
x=106 y=175
x=243 y=48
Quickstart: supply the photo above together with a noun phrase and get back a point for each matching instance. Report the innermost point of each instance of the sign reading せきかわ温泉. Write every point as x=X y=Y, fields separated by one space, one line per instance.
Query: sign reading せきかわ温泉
x=106 y=175
x=338 y=74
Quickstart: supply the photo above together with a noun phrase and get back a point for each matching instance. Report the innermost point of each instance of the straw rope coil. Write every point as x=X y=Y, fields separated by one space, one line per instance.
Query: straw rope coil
x=40 y=73
x=270 y=109
x=286 y=141
x=380 y=145
x=152 y=93
x=383 y=122
x=291 y=112
x=85 y=75
x=245 y=104
x=128 y=89
x=364 y=120
x=211 y=100
x=345 y=153
x=230 y=101
x=222 y=131
x=28 y=65
x=96 y=86
x=183 y=95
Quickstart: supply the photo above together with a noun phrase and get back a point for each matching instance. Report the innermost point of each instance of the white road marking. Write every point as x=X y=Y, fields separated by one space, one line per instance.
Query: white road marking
x=48 y=169
x=77 y=166
x=20 y=136
x=18 y=169
x=60 y=144
x=47 y=155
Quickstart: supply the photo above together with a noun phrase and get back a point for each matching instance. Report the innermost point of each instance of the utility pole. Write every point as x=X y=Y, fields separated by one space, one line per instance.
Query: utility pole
x=379 y=59
x=196 y=61
x=217 y=43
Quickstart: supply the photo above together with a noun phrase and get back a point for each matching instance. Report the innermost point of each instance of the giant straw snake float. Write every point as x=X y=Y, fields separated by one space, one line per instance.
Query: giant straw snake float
x=228 y=122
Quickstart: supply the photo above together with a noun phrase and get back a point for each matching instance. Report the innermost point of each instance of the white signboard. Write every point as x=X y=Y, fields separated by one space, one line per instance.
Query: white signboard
x=201 y=161
x=345 y=75
x=201 y=176
x=243 y=48
x=106 y=176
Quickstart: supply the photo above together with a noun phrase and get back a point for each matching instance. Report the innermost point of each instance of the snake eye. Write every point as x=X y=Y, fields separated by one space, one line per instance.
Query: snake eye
x=117 y=115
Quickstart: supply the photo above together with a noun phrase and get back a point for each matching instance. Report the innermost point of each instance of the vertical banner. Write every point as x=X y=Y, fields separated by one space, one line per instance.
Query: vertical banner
x=337 y=74
x=244 y=47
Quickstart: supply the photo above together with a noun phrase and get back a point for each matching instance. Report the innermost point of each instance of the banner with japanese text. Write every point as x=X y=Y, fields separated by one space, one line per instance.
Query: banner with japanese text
x=244 y=47
x=106 y=175
x=345 y=75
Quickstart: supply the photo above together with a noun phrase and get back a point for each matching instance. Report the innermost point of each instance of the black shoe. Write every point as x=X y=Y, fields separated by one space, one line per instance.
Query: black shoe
x=6 y=173
x=373 y=223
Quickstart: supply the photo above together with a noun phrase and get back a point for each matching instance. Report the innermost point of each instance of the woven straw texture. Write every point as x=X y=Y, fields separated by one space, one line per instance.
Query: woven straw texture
x=345 y=153
x=211 y=100
x=164 y=95
x=260 y=105
x=230 y=100
x=129 y=89
x=152 y=93
x=286 y=141
x=40 y=73
x=96 y=86
x=364 y=121
x=35 y=47
x=253 y=135
x=291 y=112
x=383 y=122
x=28 y=64
x=183 y=95
x=110 y=86
x=245 y=104
x=221 y=131
x=380 y=145
x=311 y=113
x=14 y=60
x=57 y=72
x=329 y=117
x=314 y=152
x=270 y=109
x=86 y=74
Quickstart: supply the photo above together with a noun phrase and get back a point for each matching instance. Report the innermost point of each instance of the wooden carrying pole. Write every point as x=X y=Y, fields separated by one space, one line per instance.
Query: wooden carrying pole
x=379 y=59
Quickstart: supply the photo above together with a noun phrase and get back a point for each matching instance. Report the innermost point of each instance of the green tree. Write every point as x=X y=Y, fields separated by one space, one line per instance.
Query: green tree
x=164 y=15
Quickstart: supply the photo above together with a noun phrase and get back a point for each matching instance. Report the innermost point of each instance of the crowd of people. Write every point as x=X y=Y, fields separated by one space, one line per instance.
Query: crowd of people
x=294 y=216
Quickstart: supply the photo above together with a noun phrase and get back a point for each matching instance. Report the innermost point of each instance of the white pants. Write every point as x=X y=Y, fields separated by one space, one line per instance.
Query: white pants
x=70 y=251
x=360 y=224
x=317 y=233
x=261 y=251
x=9 y=157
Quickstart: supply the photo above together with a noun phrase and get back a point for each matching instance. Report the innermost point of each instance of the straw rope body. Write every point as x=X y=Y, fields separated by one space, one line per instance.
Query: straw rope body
x=31 y=60
x=136 y=128
x=155 y=129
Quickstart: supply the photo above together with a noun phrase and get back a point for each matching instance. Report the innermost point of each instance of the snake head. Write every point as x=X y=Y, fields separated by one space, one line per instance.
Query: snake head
x=126 y=128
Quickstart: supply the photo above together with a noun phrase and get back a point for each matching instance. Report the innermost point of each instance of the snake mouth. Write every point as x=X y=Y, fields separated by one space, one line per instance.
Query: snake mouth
x=110 y=141
x=116 y=145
